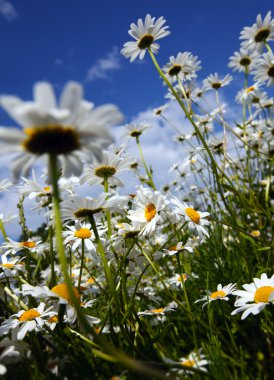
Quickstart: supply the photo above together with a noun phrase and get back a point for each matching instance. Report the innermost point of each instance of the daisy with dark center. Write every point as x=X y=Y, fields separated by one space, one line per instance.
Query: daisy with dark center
x=264 y=70
x=182 y=67
x=221 y=293
x=79 y=208
x=145 y=34
x=255 y=296
x=133 y=130
x=213 y=81
x=107 y=169
x=243 y=60
x=26 y=320
x=72 y=130
x=257 y=35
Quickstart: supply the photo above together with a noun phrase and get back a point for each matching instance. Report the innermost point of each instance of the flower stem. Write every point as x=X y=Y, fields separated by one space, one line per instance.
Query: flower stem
x=59 y=240
x=144 y=163
x=82 y=264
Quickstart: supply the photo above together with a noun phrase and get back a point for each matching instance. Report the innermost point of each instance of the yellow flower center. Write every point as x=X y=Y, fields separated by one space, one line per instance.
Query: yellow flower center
x=28 y=244
x=188 y=363
x=262 y=294
x=183 y=277
x=193 y=215
x=157 y=311
x=90 y=280
x=255 y=233
x=29 y=315
x=50 y=139
x=62 y=291
x=7 y=265
x=250 y=89
x=83 y=233
x=150 y=212
x=53 y=319
x=172 y=248
x=47 y=189
x=218 y=294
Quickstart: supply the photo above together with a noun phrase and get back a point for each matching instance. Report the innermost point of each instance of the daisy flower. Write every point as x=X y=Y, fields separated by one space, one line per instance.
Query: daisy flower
x=80 y=208
x=73 y=130
x=150 y=206
x=26 y=320
x=256 y=35
x=11 y=247
x=255 y=296
x=195 y=219
x=144 y=33
x=135 y=130
x=243 y=60
x=183 y=66
x=178 y=280
x=214 y=82
x=108 y=168
x=264 y=70
x=159 y=314
x=221 y=293
x=59 y=291
x=179 y=247
x=78 y=234
x=194 y=360
x=10 y=267
x=250 y=94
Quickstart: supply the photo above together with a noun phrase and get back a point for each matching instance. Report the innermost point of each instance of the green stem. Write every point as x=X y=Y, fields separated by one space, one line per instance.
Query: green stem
x=59 y=241
x=144 y=163
x=2 y=228
x=108 y=211
x=266 y=44
x=82 y=264
x=52 y=257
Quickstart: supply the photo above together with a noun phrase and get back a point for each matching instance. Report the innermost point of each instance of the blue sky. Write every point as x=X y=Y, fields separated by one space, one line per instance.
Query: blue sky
x=60 y=40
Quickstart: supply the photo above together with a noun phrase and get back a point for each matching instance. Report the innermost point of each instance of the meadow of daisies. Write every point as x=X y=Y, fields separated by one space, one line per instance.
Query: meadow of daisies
x=167 y=282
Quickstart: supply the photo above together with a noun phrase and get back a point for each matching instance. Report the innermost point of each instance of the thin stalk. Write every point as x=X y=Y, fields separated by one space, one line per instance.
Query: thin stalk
x=144 y=163
x=52 y=257
x=2 y=228
x=82 y=264
x=59 y=240
x=108 y=211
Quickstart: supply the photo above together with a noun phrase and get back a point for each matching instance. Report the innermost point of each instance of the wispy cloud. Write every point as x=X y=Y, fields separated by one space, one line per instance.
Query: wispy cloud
x=102 y=67
x=7 y=10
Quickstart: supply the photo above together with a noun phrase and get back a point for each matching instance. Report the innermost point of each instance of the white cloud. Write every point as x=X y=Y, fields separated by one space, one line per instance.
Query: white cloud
x=159 y=148
x=7 y=10
x=102 y=67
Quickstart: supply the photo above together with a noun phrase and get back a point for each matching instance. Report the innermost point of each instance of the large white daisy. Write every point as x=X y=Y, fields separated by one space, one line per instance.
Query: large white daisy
x=73 y=129
x=255 y=297
x=144 y=33
x=260 y=32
